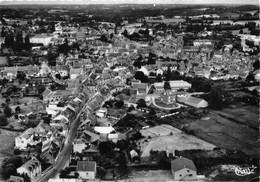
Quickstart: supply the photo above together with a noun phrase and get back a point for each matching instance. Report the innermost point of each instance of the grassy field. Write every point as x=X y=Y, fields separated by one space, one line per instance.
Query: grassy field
x=162 y=130
x=226 y=133
x=179 y=141
x=246 y=115
x=151 y=175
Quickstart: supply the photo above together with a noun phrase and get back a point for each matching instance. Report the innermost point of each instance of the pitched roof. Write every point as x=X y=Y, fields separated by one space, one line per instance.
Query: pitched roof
x=181 y=163
x=46 y=93
x=15 y=179
x=27 y=133
x=92 y=137
x=140 y=85
x=31 y=163
x=108 y=129
x=86 y=166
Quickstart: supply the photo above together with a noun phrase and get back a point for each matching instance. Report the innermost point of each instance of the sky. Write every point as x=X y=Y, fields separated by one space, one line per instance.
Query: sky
x=3 y=2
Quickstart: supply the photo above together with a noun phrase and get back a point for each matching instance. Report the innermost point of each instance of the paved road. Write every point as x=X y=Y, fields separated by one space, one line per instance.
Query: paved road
x=65 y=153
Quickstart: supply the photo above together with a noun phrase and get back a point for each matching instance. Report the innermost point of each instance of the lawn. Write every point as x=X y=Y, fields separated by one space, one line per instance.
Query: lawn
x=161 y=104
x=179 y=141
x=247 y=115
x=151 y=175
x=162 y=130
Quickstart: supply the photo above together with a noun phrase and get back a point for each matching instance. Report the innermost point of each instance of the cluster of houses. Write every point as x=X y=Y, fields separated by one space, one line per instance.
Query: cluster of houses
x=92 y=75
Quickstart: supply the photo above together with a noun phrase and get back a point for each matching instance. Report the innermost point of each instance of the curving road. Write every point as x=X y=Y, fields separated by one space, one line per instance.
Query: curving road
x=65 y=153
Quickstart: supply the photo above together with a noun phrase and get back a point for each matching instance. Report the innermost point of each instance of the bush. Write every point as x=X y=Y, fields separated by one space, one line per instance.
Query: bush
x=3 y=120
x=17 y=152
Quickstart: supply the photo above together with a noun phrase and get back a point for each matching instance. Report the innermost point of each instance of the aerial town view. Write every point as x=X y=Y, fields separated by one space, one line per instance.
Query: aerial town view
x=129 y=91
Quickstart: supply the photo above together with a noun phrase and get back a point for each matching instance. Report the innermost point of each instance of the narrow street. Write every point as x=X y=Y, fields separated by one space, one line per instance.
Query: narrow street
x=65 y=153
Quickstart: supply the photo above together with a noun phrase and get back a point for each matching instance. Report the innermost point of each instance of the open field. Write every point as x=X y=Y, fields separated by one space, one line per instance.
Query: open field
x=179 y=141
x=247 y=115
x=162 y=130
x=226 y=133
x=151 y=175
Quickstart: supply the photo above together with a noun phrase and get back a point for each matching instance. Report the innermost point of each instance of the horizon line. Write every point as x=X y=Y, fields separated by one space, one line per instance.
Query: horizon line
x=10 y=3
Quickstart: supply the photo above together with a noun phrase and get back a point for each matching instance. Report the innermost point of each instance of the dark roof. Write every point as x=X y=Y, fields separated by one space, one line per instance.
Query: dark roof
x=86 y=166
x=181 y=163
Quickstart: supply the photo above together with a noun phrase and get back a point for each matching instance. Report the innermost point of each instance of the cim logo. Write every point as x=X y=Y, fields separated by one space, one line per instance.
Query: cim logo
x=243 y=171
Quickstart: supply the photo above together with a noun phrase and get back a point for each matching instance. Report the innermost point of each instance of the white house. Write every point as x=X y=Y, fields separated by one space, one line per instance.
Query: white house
x=64 y=180
x=79 y=145
x=104 y=131
x=86 y=169
x=199 y=42
x=183 y=169
x=41 y=39
x=101 y=112
x=24 y=138
x=159 y=87
x=32 y=168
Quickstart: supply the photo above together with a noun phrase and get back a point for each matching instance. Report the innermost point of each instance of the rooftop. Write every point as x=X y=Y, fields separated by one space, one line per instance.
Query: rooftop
x=181 y=163
x=86 y=166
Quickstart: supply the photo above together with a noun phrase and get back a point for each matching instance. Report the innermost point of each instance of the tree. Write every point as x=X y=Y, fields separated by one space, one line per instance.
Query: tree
x=18 y=109
x=152 y=112
x=9 y=40
x=9 y=170
x=8 y=111
x=167 y=85
x=103 y=38
x=139 y=75
x=168 y=74
x=256 y=64
x=217 y=98
x=58 y=76
x=164 y=162
x=19 y=45
x=3 y=120
x=106 y=163
x=20 y=75
x=41 y=89
x=64 y=48
x=159 y=78
x=3 y=32
x=27 y=43
x=76 y=174
x=241 y=31
x=9 y=165
x=17 y=151
x=101 y=172
x=125 y=33
x=141 y=103
x=122 y=144
x=122 y=163
x=106 y=147
x=119 y=104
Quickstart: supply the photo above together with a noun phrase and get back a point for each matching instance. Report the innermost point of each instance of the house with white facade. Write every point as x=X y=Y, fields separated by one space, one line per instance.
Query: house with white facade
x=87 y=169
x=32 y=168
x=183 y=169
x=24 y=138
x=44 y=39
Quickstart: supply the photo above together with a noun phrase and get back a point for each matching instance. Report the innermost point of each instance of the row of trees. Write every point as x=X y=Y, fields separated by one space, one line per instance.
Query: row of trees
x=16 y=40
